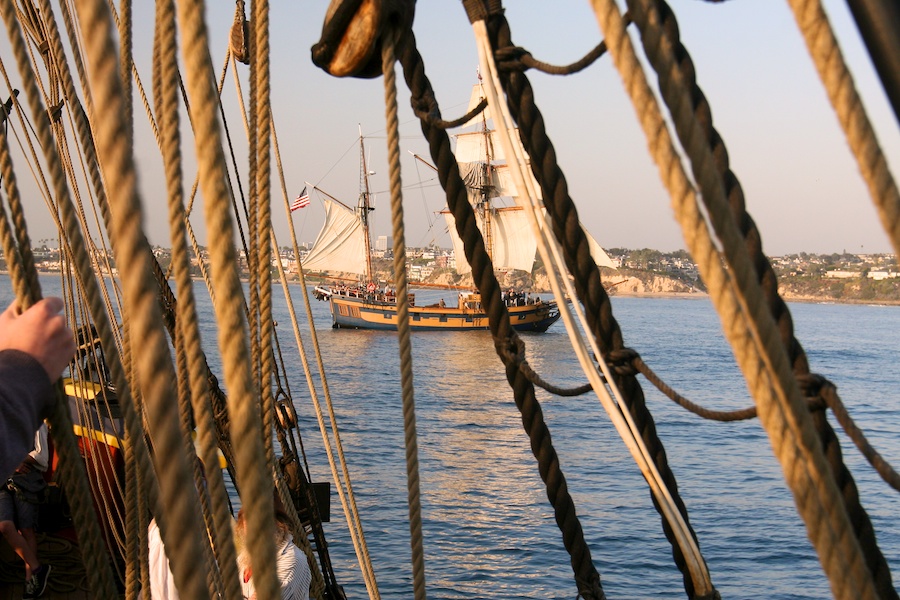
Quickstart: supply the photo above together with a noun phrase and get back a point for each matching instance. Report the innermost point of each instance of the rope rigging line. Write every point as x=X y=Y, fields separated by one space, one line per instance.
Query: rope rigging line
x=342 y=479
x=72 y=474
x=694 y=230
x=166 y=97
x=388 y=57
x=838 y=82
x=675 y=523
x=587 y=578
x=858 y=518
x=244 y=418
x=141 y=309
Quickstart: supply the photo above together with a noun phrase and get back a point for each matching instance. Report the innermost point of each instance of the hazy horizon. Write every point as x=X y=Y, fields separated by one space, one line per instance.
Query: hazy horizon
x=801 y=184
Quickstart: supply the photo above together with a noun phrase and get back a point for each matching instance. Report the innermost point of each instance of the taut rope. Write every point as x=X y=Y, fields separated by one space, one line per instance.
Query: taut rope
x=389 y=44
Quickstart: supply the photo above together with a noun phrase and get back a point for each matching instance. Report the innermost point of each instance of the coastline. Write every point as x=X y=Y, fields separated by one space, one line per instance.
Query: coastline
x=648 y=292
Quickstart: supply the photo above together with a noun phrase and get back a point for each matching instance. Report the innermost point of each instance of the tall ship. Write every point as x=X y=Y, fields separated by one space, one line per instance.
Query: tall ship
x=344 y=245
x=186 y=401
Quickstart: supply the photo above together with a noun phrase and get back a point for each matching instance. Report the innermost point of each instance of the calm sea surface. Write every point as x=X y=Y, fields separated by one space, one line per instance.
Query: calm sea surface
x=489 y=529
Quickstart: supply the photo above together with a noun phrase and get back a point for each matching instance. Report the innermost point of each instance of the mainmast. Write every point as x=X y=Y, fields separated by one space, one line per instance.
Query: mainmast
x=365 y=206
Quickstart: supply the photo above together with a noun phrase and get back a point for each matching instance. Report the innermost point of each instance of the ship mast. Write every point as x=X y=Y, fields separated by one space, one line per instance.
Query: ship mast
x=365 y=206
x=486 y=184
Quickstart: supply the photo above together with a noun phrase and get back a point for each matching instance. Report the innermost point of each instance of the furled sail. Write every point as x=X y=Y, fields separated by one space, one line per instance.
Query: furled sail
x=341 y=245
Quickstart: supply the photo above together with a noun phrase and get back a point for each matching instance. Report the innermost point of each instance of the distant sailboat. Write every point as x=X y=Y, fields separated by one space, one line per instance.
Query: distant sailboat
x=343 y=246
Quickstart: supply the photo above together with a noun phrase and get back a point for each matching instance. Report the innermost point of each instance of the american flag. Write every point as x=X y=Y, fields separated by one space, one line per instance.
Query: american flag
x=301 y=201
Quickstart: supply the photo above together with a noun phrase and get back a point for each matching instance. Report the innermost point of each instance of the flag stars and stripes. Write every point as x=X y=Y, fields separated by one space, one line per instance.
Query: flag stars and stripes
x=300 y=201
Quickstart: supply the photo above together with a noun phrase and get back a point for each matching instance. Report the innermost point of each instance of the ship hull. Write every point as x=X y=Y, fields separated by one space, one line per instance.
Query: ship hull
x=349 y=312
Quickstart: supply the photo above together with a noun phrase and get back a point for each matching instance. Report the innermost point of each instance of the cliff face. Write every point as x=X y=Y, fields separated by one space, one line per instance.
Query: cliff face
x=641 y=284
x=648 y=284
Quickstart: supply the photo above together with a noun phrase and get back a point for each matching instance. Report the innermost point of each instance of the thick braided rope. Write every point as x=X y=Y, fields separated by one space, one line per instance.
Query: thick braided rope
x=92 y=290
x=317 y=585
x=598 y=310
x=152 y=365
x=765 y=276
x=133 y=526
x=183 y=404
x=167 y=100
x=14 y=260
x=252 y=215
x=254 y=482
x=263 y=129
x=10 y=251
x=28 y=272
x=74 y=35
x=403 y=329
x=838 y=82
x=586 y=576
x=71 y=467
x=348 y=501
x=782 y=411
x=123 y=26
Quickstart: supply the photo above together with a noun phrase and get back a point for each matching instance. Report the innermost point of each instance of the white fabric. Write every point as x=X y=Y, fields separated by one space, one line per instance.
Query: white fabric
x=293 y=573
x=162 y=583
x=41 y=452
x=341 y=244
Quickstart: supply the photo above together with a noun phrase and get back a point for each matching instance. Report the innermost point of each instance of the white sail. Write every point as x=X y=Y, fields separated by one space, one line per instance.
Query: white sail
x=513 y=245
x=520 y=253
x=473 y=150
x=474 y=100
x=341 y=245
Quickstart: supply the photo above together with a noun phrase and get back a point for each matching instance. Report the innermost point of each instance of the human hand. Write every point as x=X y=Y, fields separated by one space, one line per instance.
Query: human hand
x=41 y=332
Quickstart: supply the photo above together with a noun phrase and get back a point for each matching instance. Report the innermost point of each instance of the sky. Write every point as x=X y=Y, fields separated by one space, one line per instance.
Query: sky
x=800 y=181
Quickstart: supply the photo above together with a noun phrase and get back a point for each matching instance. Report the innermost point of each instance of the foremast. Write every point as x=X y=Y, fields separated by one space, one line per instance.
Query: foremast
x=365 y=207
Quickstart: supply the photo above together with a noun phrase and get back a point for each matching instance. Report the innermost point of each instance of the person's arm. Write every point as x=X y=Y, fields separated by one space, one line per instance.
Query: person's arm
x=35 y=347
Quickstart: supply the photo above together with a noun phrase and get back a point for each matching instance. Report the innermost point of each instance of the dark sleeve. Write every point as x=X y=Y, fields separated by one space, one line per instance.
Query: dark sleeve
x=26 y=394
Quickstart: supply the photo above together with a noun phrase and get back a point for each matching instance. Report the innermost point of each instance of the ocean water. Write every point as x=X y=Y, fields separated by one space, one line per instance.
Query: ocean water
x=488 y=526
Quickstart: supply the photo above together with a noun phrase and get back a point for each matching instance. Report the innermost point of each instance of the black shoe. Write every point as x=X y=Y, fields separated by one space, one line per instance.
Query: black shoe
x=37 y=585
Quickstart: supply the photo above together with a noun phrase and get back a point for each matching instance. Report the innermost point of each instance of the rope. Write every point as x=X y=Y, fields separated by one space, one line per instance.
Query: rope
x=510 y=58
x=123 y=26
x=566 y=226
x=403 y=328
x=838 y=82
x=167 y=100
x=152 y=364
x=318 y=585
x=765 y=276
x=71 y=472
x=758 y=352
x=347 y=498
x=15 y=263
x=255 y=484
x=88 y=284
x=442 y=124
x=587 y=578
x=354 y=524
x=829 y=393
x=259 y=63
